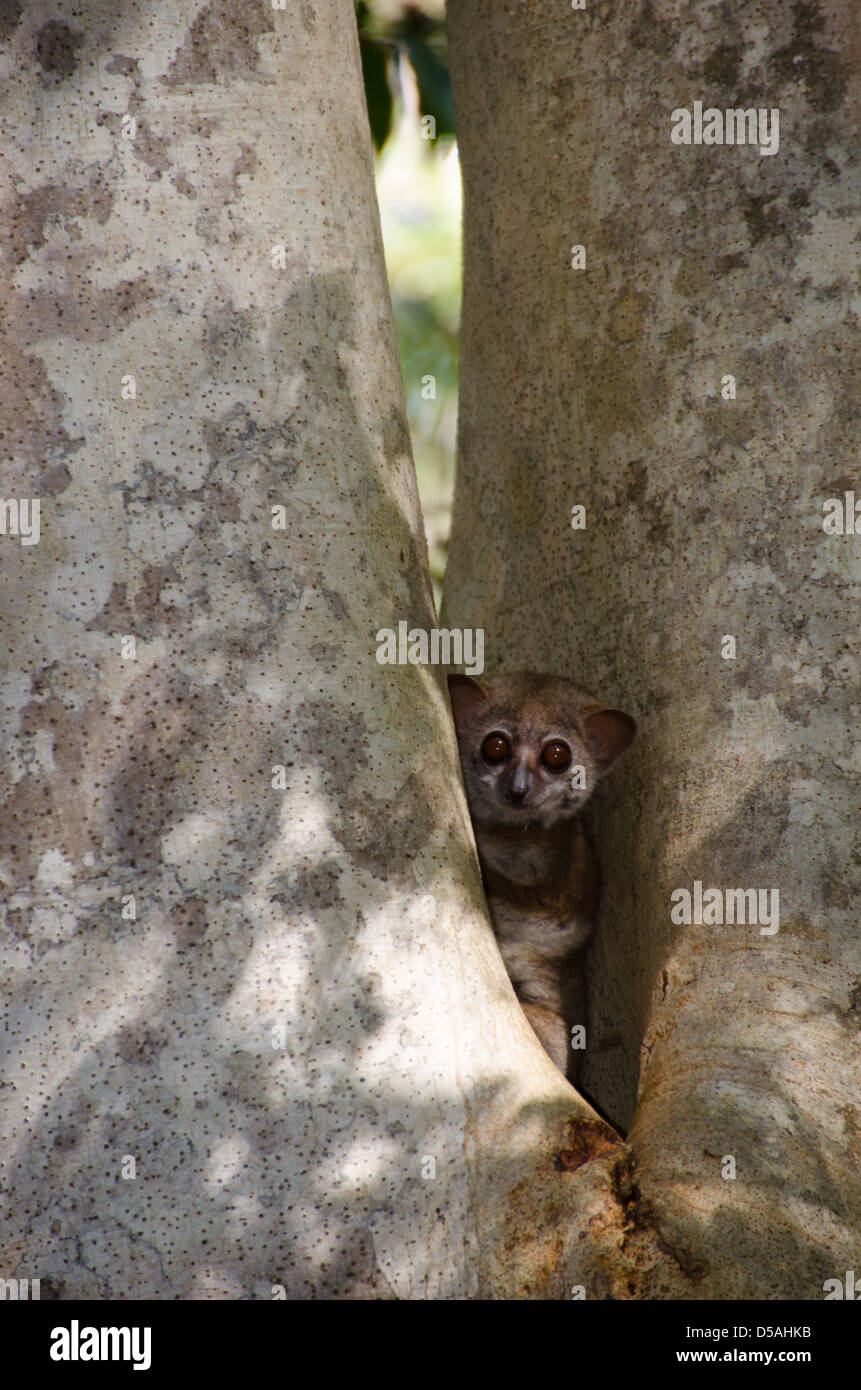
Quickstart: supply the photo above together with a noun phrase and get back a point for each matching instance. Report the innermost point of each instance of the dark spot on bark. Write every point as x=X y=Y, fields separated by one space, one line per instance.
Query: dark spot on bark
x=237 y=439
x=89 y=314
x=66 y=1137
x=121 y=65
x=371 y=1015
x=224 y=503
x=140 y=1044
x=853 y=1013
x=244 y=1082
x=28 y=212
x=54 y=479
x=728 y=422
x=737 y=261
x=396 y=438
x=836 y=890
x=633 y=492
x=336 y=605
x=138 y=764
x=148 y=596
x=691 y=1265
x=320 y=311
x=680 y=337
x=820 y=69
x=753 y=835
x=562 y=101
x=414 y=572
x=222 y=42
x=152 y=150
x=692 y=279
x=384 y=835
x=18 y=923
x=227 y=332
x=653 y=702
x=352 y=1270
x=246 y=165
x=189 y=921
x=116 y=616
x=117 y=781
x=317 y=886
x=636 y=482
x=338 y=744
x=55 y=48
x=722 y=66
x=622 y=387
x=10 y=14
x=649 y=33
x=838 y=483
x=762 y=220
x=182 y=185
x=149 y=485
x=328 y=655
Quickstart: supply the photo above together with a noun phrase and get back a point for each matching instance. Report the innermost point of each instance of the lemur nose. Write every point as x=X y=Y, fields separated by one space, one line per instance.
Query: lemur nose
x=520 y=783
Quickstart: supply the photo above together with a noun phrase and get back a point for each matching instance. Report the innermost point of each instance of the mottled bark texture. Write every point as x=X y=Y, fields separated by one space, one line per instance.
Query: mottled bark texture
x=277 y=994
x=602 y=387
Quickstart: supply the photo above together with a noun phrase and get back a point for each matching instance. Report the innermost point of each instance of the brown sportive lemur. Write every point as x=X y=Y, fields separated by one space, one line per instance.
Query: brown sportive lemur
x=533 y=749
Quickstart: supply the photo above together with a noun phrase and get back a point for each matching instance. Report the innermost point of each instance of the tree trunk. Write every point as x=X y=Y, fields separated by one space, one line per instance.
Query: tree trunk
x=258 y=1032
x=606 y=387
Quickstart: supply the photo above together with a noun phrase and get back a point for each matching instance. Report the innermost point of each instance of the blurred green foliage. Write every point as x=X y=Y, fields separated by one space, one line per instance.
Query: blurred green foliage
x=392 y=33
x=418 y=186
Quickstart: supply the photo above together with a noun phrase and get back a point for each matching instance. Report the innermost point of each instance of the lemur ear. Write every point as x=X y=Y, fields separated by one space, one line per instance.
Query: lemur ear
x=467 y=697
x=608 y=733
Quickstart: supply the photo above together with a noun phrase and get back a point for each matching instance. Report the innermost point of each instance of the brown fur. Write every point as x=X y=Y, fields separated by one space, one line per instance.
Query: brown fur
x=540 y=872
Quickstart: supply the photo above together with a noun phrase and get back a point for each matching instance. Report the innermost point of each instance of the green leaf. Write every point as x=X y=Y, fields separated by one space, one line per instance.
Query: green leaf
x=378 y=93
x=434 y=85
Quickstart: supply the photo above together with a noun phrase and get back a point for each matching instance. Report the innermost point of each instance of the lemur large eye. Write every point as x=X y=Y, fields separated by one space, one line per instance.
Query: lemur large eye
x=556 y=755
x=496 y=748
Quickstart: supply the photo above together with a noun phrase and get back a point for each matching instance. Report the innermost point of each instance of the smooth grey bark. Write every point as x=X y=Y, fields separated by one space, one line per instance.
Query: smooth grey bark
x=257 y=1034
x=602 y=387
